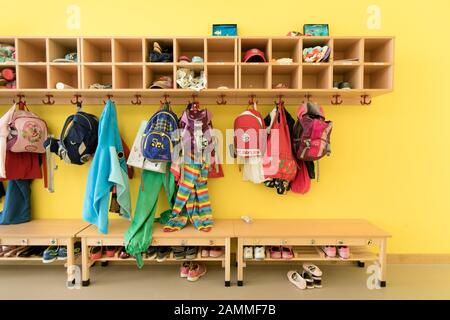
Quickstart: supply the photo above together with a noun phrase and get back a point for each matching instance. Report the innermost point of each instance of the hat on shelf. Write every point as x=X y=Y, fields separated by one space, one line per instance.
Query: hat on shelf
x=163 y=82
x=197 y=59
x=254 y=55
x=184 y=59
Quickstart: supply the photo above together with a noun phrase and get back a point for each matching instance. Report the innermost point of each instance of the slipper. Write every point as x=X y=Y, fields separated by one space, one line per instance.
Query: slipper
x=205 y=252
x=6 y=250
x=95 y=253
x=287 y=253
x=275 y=252
x=13 y=252
x=110 y=251
x=296 y=279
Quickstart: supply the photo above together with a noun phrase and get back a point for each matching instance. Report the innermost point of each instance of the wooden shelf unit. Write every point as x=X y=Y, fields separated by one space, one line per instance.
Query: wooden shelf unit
x=124 y=62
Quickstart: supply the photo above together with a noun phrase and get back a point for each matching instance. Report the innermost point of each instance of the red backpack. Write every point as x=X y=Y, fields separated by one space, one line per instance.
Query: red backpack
x=249 y=133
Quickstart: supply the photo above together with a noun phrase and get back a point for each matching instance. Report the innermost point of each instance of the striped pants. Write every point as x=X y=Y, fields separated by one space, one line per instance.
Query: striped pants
x=192 y=200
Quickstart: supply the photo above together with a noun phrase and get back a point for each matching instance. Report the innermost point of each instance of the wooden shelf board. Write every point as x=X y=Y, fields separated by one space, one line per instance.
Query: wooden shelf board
x=43 y=228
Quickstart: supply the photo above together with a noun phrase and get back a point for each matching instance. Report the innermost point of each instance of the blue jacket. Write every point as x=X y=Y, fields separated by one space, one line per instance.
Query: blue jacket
x=107 y=170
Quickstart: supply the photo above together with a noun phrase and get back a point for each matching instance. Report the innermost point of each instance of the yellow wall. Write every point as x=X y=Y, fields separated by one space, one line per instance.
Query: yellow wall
x=390 y=161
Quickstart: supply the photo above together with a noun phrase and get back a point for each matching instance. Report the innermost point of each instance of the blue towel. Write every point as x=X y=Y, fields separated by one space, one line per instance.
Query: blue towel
x=108 y=169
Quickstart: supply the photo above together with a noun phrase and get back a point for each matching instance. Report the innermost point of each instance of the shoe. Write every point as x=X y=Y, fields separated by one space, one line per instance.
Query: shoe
x=179 y=253
x=330 y=251
x=275 y=252
x=312 y=269
x=344 y=252
x=260 y=253
x=191 y=253
x=296 y=279
x=77 y=248
x=216 y=252
x=196 y=271
x=62 y=253
x=151 y=252
x=28 y=252
x=336 y=84
x=205 y=252
x=124 y=254
x=95 y=253
x=287 y=253
x=50 y=254
x=345 y=85
x=309 y=280
x=184 y=269
x=14 y=251
x=6 y=249
x=110 y=252
x=162 y=253
x=248 y=252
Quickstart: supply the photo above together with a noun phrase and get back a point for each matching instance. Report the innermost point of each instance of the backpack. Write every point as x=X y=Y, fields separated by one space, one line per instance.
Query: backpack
x=27 y=132
x=157 y=140
x=311 y=138
x=249 y=133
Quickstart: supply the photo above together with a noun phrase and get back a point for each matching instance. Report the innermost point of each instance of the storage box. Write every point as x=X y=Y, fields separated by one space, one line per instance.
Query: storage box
x=316 y=30
x=224 y=30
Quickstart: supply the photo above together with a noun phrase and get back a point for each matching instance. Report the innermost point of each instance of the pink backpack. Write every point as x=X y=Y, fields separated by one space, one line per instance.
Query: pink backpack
x=249 y=133
x=27 y=132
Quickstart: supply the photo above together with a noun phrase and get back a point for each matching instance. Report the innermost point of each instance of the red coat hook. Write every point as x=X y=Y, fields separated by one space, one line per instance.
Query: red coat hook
x=48 y=101
x=162 y=102
x=77 y=101
x=22 y=103
x=222 y=101
x=138 y=100
x=336 y=99
x=252 y=100
x=364 y=100
x=109 y=96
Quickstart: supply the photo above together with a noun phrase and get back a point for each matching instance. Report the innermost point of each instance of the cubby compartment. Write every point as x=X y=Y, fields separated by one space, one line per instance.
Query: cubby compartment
x=286 y=48
x=378 y=50
x=96 y=74
x=198 y=68
x=31 y=50
x=32 y=77
x=255 y=76
x=97 y=50
x=128 y=50
x=378 y=77
x=221 y=50
x=220 y=76
x=128 y=77
x=66 y=74
x=190 y=47
x=59 y=48
x=165 y=44
x=316 y=76
x=286 y=77
x=351 y=74
x=255 y=43
x=154 y=72
x=347 y=50
x=311 y=42
x=9 y=74
x=8 y=59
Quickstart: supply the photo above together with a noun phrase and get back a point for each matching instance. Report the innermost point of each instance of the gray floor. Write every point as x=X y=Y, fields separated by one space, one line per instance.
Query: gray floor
x=261 y=282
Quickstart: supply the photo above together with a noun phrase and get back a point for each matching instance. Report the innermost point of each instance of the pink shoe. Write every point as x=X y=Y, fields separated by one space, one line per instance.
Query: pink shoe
x=344 y=252
x=287 y=253
x=216 y=252
x=184 y=269
x=196 y=271
x=205 y=252
x=330 y=251
x=275 y=252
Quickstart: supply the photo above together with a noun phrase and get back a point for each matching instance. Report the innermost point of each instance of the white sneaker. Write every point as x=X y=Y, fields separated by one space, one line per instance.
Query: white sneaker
x=312 y=269
x=260 y=253
x=248 y=252
x=296 y=279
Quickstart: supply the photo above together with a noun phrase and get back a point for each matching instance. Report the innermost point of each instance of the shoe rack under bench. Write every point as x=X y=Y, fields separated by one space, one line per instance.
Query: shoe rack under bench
x=366 y=241
x=220 y=235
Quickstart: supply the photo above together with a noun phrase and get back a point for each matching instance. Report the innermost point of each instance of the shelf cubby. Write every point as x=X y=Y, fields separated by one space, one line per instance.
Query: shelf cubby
x=96 y=74
x=310 y=42
x=349 y=73
x=97 y=50
x=316 y=76
x=255 y=76
x=377 y=77
x=190 y=47
x=128 y=77
x=262 y=44
x=221 y=49
x=58 y=48
x=32 y=77
x=378 y=50
x=7 y=66
x=155 y=71
x=221 y=75
x=196 y=67
x=286 y=48
x=128 y=50
x=11 y=42
x=164 y=43
x=31 y=50
x=288 y=75
x=65 y=73
x=347 y=50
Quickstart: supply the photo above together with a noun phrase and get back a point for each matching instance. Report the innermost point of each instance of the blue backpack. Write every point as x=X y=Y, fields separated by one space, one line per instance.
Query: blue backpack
x=157 y=143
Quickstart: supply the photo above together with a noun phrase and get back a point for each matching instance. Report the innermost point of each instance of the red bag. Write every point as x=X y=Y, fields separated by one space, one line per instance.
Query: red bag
x=302 y=182
x=279 y=162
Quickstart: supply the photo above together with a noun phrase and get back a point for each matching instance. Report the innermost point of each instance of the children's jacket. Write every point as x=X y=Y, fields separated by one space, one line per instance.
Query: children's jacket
x=4 y=132
x=108 y=169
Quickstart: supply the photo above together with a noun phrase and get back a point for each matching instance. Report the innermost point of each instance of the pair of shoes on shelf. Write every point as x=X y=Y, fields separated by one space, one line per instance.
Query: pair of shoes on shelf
x=212 y=252
x=53 y=253
x=11 y=251
x=32 y=251
x=188 y=253
x=192 y=271
x=257 y=253
x=283 y=252
x=310 y=277
x=341 y=85
x=96 y=253
x=342 y=251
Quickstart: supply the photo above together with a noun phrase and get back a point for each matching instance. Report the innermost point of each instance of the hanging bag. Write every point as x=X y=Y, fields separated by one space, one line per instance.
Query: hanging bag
x=302 y=182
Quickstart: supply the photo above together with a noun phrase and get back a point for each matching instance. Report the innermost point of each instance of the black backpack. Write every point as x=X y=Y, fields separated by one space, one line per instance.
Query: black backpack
x=78 y=139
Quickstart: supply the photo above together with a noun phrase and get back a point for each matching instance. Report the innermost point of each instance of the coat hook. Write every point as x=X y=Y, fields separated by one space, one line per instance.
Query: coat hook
x=280 y=100
x=307 y=97
x=222 y=100
x=138 y=100
x=109 y=96
x=252 y=100
x=336 y=99
x=77 y=101
x=194 y=98
x=48 y=101
x=20 y=96
x=364 y=100
x=166 y=96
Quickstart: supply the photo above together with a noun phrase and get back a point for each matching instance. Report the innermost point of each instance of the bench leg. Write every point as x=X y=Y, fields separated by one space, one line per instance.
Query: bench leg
x=227 y=261
x=240 y=263
x=85 y=262
x=70 y=263
x=382 y=261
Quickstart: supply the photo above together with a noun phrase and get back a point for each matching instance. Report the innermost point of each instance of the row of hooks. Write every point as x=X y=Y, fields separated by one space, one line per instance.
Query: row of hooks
x=336 y=99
